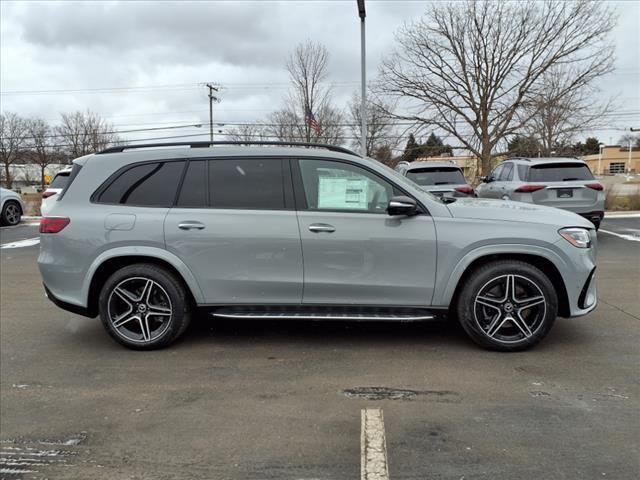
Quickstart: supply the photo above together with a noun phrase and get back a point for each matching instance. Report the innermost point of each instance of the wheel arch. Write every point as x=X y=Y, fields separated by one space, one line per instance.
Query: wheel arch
x=105 y=265
x=540 y=261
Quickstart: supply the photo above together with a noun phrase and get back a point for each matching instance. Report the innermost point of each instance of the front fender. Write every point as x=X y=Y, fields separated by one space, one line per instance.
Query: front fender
x=143 y=251
x=447 y=286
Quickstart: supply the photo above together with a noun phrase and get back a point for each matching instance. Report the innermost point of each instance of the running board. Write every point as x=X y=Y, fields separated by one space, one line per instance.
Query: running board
x=348 y=316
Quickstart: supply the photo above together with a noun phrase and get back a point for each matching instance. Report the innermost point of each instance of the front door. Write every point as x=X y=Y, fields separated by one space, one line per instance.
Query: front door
x=354 y=253
x=235 y=227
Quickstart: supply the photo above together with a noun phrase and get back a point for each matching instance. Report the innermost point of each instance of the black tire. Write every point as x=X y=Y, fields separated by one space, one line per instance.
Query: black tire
x=162 y=319
x=498 y=319
x=11 y=213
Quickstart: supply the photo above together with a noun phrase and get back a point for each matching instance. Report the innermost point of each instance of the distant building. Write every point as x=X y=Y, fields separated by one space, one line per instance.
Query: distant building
x=615 y=159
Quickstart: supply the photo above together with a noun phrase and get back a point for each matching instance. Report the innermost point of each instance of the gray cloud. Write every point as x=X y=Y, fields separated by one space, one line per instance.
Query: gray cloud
x=79 y=45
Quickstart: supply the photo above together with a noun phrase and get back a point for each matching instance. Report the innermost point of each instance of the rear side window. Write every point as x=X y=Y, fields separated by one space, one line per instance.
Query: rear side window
x=255 y=184
x=60 y=180
x=147 y=185
x=559 y=172
x=194 y=187
x=436 y=176
x=523 y=171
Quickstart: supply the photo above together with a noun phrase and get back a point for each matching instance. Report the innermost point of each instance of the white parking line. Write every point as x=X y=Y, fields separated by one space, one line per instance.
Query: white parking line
x=633 y=238
x=373 y=446
x=28 y=242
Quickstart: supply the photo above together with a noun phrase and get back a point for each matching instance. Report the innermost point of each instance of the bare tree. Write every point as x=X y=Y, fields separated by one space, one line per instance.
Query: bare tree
x=13 y=139
x=84 y=132
x=381 y=135
x=41 y=145
x=308 y=114
x=469 y=67
x=563 y=109
x=247 y=133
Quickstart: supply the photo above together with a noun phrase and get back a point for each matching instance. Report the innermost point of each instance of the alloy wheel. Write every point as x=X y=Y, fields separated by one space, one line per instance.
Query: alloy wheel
x=12 y=214
x=510 y=308
x=139 y=309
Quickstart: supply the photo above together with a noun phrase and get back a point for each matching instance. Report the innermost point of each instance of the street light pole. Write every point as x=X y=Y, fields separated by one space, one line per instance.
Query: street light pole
x=363 y=107
x=600 y=147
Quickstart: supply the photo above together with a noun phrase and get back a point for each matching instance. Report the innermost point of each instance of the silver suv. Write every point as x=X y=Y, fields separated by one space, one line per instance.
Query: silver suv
x=554 y=182
x=439 y=178
x=144 y=236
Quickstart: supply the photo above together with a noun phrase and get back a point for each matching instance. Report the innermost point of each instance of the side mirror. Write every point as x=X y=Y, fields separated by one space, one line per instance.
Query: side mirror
x=402 y=205
x=486 y=179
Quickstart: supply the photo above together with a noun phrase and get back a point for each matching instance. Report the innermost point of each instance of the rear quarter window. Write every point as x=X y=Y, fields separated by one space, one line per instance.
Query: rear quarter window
x=147 y=185
x=559 y=172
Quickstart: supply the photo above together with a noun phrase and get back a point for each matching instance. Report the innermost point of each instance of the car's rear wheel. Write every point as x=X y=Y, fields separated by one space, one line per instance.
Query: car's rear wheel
x=507 y=305
x=11 y=213
x=144 y=307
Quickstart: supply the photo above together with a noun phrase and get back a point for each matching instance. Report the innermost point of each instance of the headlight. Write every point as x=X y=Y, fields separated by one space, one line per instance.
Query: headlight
x=578 y=237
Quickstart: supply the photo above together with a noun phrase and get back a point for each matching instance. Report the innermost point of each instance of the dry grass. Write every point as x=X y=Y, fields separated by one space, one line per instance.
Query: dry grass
x=622 y=202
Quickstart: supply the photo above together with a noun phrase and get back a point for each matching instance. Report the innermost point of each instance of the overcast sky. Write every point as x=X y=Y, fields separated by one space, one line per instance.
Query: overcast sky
x=167 y=50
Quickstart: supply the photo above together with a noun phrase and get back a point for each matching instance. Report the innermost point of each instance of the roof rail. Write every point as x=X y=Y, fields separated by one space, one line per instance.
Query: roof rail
x=333 y=148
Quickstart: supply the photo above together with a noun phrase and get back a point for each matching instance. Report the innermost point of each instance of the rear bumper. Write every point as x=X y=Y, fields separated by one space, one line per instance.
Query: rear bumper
x=594 y=217
x=69 y=307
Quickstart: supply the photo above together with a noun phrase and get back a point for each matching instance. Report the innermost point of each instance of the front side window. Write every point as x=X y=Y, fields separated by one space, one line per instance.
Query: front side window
x=339 y=186
x=250 y=184
x=436 y=176
x=495 y=175
x=147 y=185
x=507 y=172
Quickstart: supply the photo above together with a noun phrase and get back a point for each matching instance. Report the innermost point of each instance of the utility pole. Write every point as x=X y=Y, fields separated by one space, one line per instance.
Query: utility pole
x=212 y=98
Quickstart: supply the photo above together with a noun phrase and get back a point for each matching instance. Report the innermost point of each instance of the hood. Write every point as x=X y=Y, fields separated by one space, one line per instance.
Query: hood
x=508 y=211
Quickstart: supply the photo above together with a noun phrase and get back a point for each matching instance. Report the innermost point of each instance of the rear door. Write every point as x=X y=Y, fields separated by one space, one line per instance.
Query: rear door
x=566 y=186
x=235 y=227
x=354 y=253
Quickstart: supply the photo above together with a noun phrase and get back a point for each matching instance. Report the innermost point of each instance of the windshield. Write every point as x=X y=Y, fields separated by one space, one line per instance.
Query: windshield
x=559 y=172
x=60 y=180
x=436 y=176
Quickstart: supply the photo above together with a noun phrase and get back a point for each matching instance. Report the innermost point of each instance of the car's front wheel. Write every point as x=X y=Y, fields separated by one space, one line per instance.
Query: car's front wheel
x=144 y=307
x=507 y=305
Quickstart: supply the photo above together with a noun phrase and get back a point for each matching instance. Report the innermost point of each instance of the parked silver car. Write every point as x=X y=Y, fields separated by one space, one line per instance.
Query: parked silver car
x=438 y=178
x=565 y=183
x=11 y=207
x=144 y=236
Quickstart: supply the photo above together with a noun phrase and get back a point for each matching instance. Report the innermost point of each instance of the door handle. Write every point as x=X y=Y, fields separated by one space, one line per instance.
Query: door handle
x=191 y=226
x=322 y=227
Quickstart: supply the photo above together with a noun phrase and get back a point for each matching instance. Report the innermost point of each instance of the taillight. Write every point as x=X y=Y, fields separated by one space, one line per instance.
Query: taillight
x=48 y=194
x=530 y=188
x=466 y=189
x=595 y=186
x=53 y=224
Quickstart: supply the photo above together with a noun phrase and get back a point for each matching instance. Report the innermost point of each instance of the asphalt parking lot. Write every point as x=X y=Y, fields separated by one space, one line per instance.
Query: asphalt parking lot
x=256 y=400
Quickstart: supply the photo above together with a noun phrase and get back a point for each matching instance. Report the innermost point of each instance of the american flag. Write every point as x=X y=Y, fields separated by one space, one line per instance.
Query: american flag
x=312 y=122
